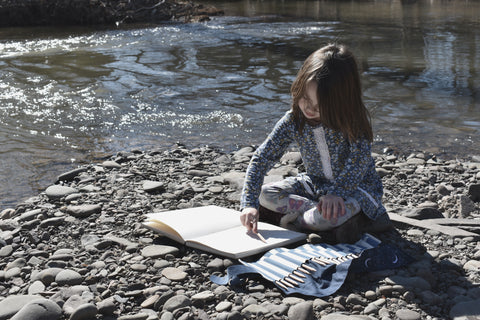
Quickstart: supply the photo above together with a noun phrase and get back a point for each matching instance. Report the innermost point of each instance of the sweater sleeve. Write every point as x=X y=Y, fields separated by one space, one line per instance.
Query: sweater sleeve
x=266 y=155
x=356 y=165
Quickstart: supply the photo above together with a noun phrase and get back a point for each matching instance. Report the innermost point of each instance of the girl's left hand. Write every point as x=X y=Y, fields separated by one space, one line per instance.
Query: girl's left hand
x=331 y=207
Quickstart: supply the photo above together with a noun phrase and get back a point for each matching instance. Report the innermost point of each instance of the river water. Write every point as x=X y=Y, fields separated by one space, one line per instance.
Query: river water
x=70 y=96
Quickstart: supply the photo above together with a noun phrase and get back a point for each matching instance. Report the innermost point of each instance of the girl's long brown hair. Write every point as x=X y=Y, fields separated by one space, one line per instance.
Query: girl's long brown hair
x=339 y=92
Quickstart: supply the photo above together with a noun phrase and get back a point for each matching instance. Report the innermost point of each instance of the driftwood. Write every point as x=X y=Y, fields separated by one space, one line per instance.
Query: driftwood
x=473 y=223
x=434 y=224
x=95 y=12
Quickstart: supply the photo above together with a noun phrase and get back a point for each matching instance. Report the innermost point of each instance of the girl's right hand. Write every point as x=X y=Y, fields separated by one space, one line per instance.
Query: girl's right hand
x=249 y=219
x=332 y=207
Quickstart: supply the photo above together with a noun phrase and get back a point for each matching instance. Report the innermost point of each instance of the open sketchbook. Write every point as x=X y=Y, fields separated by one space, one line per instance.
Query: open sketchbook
x=219 y=230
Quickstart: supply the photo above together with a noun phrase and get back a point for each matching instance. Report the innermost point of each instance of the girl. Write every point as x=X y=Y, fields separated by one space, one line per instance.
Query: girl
x=331 y=126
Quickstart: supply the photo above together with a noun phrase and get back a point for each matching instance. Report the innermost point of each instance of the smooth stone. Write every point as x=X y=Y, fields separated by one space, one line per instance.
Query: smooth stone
x=159 y=264
x=290 y=301
x=256 y=309
x=89 y=239
x=276 y=309
x=12 y=273
x=215 y=265
x=40 y=309
x=153 y=186
x=73 y=303
x=65 y=293
x=6 y=251
x=158 y=251
x=107 y=306
x=215 y=189
x=472 y=265
x=138 y=316
x=36 y=287
x=47 y=276
x=301 y=311
x=121 y=241
x=415 y=233
x=111 y=165
x=198 y=173
x=467 y=310
x=52 y=222
x=86 y=311
x=177 y=302
x=223 y=306
x=70 y=175
x=29 y=215
x=138 y=267
x=68 y=277
x=174 y=274
x=406 y=314
x=12 y=304
x=355 y=299
x=371 y=308
x=84 y=210
x=150 y=301
x=204 y=296
x=57 y=191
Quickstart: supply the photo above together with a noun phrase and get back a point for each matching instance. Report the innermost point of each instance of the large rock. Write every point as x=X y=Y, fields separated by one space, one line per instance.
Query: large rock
x=39 y=309
x=12 y=304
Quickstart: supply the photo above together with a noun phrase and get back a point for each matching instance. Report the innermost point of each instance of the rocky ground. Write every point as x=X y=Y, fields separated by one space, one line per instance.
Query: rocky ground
x=79 y=251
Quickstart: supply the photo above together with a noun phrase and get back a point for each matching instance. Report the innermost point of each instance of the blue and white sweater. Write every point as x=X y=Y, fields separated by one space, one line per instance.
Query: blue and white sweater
x=334 y=165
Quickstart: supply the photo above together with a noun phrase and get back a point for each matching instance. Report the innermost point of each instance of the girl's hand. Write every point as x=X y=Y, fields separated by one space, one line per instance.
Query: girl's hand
x=331 y=207
x=249 y=219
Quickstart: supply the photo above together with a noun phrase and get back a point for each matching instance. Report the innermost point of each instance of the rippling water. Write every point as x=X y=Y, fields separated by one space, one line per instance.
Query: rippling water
x=73 y=95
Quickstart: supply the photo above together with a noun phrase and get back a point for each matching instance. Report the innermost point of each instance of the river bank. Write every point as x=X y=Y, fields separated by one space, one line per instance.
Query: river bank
x=95 y=12
x=79 y=247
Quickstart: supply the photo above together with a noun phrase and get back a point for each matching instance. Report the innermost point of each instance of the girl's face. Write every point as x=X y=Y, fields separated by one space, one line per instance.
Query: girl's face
x=309 y=103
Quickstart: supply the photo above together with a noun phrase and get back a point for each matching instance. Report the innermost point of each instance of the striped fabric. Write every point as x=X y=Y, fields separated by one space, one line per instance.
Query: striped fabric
x=292 y=268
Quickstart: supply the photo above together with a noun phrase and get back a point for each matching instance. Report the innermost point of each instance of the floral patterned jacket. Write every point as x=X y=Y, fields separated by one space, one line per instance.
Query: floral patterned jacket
x=334 y=165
